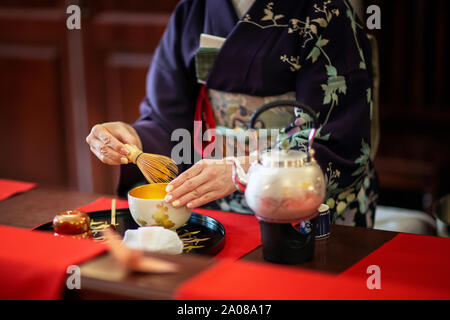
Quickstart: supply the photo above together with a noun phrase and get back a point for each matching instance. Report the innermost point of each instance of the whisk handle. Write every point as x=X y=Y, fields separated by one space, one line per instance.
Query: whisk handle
x=134 y=153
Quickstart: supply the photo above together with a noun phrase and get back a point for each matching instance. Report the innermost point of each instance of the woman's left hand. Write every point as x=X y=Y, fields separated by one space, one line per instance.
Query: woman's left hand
x=206 y=181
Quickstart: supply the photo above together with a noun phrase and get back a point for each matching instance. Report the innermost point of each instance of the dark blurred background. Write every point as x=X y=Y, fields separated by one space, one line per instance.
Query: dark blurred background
x=55 y=84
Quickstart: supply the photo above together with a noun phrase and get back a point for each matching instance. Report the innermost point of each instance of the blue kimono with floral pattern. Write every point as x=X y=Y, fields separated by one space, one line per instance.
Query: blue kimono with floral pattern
x=314 y=48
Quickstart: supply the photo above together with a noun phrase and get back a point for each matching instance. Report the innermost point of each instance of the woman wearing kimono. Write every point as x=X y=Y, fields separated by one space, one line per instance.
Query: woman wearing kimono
x=312 y=51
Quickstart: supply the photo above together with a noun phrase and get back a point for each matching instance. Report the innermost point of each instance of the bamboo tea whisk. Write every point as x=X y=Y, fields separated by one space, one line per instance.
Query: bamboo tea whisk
x=156 y=168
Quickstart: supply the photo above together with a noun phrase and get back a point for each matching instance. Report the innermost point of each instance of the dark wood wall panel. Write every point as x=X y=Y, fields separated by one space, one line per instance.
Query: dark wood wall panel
x=32 y=25
x=34 y=3
x=34 y=98
x=413 y=45
x=127 y=31
x=135 y=5
x=32 y=122
x=125 y=85
x=118 y=49
x=101 y=68
x=414 y=153
x=125 y=75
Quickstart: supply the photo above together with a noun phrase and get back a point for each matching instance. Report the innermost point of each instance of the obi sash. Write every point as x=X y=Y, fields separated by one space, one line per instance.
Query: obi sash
x=222 y=111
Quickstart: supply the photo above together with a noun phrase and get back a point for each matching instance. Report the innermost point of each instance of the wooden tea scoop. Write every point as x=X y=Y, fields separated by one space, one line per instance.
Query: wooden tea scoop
x=135 y=260
x=156 y=168
x=113 y=214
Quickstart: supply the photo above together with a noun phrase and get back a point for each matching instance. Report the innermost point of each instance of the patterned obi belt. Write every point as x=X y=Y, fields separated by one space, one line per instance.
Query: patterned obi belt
x=229 y=112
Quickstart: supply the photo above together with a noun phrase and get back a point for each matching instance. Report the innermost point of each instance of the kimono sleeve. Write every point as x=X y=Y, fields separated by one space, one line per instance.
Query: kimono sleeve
x=171 y=90
x=335 y=79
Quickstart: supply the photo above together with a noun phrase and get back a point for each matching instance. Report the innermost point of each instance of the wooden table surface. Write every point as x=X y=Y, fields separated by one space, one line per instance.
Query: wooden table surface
x=103 y=279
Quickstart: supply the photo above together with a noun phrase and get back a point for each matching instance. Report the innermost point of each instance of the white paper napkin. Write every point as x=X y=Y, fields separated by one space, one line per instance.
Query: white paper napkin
x=154 y=239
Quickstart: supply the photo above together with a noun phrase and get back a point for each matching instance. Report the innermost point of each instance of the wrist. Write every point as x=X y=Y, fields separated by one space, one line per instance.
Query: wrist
x=244 y=161
x=238 y=163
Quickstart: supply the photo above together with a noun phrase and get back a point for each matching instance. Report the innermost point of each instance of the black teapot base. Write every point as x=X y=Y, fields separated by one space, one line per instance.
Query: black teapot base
x=283 y=243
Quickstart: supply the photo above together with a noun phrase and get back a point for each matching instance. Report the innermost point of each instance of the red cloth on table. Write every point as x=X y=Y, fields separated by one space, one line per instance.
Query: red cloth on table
x=33 y=264
x=241 y=280
x=412 y=267
x=103 y=204
x=242 y=233
x=419 y=264
x=9 y=188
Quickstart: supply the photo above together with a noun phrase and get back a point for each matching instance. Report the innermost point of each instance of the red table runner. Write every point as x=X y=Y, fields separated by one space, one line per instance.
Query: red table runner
x=242 y=233
x=241 y=280
x=103 y=204
x=412 y=267
x=9 y=188
x=418 y=265
x=33 y=264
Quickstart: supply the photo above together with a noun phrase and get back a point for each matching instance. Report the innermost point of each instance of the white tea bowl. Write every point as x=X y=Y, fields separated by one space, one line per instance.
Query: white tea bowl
x=148 y=208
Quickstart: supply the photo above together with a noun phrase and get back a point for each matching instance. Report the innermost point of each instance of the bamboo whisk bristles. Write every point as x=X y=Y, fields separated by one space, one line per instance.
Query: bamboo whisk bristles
x=155 y=168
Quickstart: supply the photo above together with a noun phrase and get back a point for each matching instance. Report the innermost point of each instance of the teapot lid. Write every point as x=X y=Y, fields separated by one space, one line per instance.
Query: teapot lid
x=283 y=158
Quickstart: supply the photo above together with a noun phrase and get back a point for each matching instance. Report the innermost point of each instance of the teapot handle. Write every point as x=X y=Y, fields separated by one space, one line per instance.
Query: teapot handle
x=288 y=103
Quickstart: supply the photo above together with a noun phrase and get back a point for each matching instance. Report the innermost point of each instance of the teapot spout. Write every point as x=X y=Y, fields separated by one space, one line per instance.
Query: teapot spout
x=240 y=178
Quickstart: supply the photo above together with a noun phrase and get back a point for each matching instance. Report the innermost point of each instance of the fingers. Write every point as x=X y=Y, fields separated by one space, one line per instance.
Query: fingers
x=204 y=199
x=127 y=135
x=194 y=194
x=130 y=136
x=189 y=185
x=105 y=147
x=106 y=142
x=105 y=153
x=204 y=182
x=105 y=136
x=185 y=176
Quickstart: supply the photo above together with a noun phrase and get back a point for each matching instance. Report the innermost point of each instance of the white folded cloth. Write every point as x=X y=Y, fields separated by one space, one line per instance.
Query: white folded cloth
x=404 y=220
x=154 y=239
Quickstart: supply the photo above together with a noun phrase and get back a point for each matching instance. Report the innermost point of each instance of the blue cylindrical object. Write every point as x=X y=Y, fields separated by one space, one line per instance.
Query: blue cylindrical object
x=323 y=223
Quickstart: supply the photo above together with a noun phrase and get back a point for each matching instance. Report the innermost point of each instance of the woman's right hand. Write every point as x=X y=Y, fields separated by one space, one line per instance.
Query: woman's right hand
x=107 y=141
